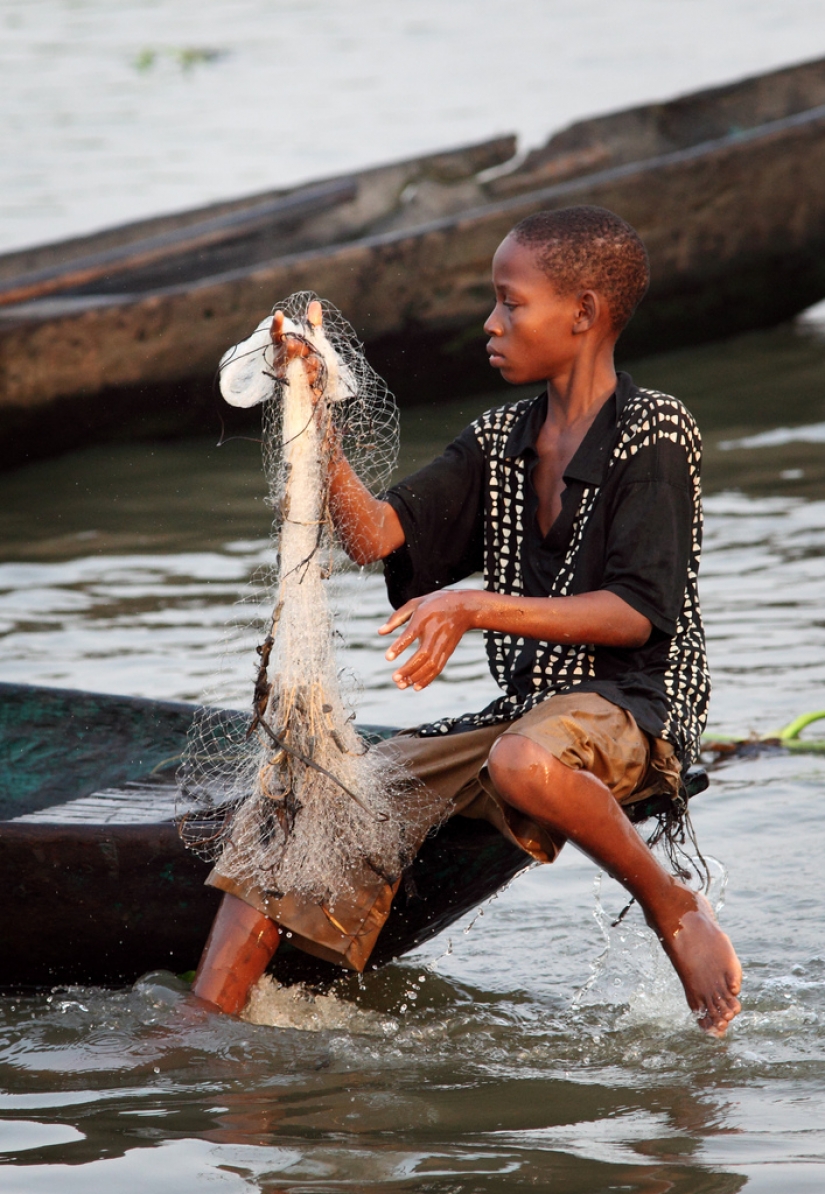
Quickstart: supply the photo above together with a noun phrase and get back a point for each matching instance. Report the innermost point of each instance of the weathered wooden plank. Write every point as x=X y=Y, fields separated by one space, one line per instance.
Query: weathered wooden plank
x=378 y=192
x=120 y=263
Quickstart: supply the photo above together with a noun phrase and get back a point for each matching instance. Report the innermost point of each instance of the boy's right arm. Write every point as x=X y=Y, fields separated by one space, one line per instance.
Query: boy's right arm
x=369 y=528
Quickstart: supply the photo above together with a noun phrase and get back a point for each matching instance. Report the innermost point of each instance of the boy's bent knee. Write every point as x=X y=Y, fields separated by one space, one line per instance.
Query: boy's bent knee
x=517 y=763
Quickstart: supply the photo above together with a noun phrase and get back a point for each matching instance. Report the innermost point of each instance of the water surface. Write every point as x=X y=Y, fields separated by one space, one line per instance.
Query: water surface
x=532 y=1046
x=116 y=111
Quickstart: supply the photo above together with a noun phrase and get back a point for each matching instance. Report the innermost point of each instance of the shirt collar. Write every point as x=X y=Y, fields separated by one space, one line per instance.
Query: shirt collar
x=590 y=461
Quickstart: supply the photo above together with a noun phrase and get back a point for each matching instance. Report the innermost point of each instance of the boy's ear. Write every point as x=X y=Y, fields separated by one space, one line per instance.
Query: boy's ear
x=590 y=307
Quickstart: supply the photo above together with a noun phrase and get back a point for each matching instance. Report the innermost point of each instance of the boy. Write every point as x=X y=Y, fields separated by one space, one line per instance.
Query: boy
x=581 y=507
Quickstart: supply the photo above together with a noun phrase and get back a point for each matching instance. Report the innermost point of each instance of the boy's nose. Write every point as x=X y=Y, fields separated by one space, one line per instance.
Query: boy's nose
x=492 y=326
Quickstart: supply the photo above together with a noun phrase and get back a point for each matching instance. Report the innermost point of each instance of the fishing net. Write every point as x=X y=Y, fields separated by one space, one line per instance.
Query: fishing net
x=292 y=800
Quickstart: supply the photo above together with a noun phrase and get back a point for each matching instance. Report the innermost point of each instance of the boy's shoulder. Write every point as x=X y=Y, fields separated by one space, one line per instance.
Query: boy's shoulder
x=649 y=417
x=642 y=399
x=496 y=425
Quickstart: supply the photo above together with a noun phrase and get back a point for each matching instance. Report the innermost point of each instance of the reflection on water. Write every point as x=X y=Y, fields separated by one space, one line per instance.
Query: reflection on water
x=542 y=1048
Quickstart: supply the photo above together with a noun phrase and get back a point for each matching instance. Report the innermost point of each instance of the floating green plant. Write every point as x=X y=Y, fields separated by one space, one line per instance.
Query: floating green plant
x=186 y=57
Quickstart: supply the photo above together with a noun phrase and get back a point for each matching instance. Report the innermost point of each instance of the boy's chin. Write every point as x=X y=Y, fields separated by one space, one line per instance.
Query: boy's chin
x=517 y=377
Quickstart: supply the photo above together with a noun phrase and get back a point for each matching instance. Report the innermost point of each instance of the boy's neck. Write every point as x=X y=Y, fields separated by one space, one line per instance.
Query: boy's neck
x=577 y=394
x=574 y=398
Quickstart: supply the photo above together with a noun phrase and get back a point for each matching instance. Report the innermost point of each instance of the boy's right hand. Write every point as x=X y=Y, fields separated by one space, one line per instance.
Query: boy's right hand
x=288 y=346
x=438 y=621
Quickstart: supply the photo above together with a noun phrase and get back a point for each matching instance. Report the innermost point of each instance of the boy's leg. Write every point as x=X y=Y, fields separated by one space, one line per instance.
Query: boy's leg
x=238 y=950
x=246 y=933
x=577 y=805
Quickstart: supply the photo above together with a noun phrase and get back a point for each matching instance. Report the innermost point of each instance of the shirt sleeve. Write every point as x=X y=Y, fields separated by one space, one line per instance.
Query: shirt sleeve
x=649 y=550
x=441 y=510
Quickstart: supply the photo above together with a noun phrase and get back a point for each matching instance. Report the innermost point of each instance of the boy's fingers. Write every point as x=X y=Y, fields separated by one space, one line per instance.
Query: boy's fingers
x=420 y=666
x=406 y=676
x=423 y=659
x=416 y=685
x=285 y=341
x=421 y=670
x=289 y=347
x=398 y=618
x=401 y=643
x=315 y=316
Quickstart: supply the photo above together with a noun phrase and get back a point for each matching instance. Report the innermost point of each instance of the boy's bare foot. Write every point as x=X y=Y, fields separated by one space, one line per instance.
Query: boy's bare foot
x=578 y=805
x=705 y=960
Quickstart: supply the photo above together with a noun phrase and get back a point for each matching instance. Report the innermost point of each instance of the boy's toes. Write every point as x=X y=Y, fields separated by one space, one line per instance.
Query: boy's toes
x=713 y=1020
x=732 y=1008
x=714 y=1026
x=718 y=1010
x=727 y=1002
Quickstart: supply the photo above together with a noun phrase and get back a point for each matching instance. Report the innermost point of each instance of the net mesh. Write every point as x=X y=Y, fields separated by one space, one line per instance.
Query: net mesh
x=291 y=800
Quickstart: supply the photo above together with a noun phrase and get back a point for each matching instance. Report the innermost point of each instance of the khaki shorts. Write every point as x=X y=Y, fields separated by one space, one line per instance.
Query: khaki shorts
x=584 y=731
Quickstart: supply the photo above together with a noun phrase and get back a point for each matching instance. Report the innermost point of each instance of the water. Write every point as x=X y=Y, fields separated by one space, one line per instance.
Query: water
x=115 y=111
x=536 y=1047
x=533 y=1046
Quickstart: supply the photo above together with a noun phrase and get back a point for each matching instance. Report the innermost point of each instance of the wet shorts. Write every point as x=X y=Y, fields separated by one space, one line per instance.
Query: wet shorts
x=584 y=731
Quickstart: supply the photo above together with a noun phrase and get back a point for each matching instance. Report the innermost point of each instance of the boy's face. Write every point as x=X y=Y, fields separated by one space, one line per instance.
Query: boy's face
x=531 y=326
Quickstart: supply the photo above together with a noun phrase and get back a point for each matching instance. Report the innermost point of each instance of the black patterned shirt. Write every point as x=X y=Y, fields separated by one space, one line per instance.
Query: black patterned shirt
x=630 y=523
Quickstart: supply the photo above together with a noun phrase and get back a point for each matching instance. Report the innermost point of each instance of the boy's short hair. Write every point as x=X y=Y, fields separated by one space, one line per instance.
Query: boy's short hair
x=590 y=248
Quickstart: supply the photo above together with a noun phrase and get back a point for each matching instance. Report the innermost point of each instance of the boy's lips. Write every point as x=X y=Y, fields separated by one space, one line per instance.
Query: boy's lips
x=496 y=358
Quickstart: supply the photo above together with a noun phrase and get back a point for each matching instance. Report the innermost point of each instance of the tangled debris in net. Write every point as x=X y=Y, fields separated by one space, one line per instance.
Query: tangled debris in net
x=292 y=801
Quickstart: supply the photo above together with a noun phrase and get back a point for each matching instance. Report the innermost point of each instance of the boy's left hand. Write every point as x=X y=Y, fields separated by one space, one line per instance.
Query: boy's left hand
x=438 y=622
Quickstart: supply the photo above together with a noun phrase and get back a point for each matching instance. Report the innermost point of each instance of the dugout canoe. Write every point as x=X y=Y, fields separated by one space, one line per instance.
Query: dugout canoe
x=119 y=333
x=97 y=886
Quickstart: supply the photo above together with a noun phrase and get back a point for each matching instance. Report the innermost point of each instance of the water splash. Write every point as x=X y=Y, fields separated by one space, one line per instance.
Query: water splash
x=297 y=1007
x=632 y=975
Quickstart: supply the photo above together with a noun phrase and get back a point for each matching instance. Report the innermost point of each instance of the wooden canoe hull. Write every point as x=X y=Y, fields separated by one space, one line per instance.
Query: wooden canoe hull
x=103 y=903
x=86 y=900
x=735 y=228
x=99 y=905
x=750 y=209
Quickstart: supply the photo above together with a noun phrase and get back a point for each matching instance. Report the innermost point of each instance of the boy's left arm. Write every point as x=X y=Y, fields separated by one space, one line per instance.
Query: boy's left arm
x=439 y=620
x=640 y=587
x=639 y=590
